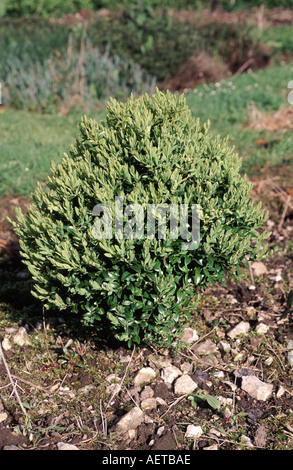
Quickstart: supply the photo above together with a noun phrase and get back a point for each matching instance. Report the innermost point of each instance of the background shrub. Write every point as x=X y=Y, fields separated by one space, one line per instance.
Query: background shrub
x=150 y=150
x=71 y=78
x=17 y=8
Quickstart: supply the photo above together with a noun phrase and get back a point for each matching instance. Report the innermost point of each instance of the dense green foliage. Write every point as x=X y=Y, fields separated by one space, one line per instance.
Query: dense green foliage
x=19 y=8
x=150 y=150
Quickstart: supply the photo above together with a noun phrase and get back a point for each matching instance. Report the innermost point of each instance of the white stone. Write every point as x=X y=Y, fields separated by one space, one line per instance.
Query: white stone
x=161 y=401
x=65 y=446
x=131 y=434
x=147 y=393
x=205 y=347
x=224 y=347
x=262 y=329
x=170 y=373
x=280 y=392
x=6 y=345
x=3 y=416
x=130 y=420
x=189 y=336
x=256 y=388
x=160 y=430
x=269 y=361
x=21 y=338
x=246 y=441
x=186 y=367
x=12 y=447
x=144 y=375
x=149 y=404
x=259 y=268
x=241 y=328
x=184 y=385
x=193 y=432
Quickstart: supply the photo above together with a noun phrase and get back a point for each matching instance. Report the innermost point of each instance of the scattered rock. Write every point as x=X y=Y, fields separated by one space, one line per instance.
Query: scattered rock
x=246 y=441
x=148 y=404
x=259 y=268
x=224 y=347
x=161 y=401
x=130 y=420
x=256 y=388
x=65 y=446
x=209 y=360
x=280 y=392
x=243 y=372
x=241 y=329
x=6 y=344
x=160 y=430
x=3 y=416
x=186 y=367
x=144 y=376
x=262 y=329
x=205 y=347
x=184 y=385
x=260 y=437
x=12 y=447
x=189 y=336
x=170 y=373
x=159 y=362
x=147 y=393
x=20 y=337
x=193 y=432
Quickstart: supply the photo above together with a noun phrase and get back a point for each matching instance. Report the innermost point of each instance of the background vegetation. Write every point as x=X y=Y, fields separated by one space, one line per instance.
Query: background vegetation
x=240 y=64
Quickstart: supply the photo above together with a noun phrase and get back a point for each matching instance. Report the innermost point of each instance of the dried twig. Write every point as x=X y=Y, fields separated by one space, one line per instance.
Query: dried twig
x=104 y=420
x=173 y=404
x=286 y=206
x=120 y=385
x=12 y=383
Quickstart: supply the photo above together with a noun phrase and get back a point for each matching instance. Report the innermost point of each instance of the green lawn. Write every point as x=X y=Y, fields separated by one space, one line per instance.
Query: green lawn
x=227 y=104
x=29 y=142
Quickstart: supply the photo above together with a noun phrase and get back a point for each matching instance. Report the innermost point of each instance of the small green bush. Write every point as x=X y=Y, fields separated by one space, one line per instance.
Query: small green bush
x=150 y=151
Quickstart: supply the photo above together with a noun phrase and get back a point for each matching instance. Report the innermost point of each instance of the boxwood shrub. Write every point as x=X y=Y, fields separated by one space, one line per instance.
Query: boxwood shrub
x=150 y=151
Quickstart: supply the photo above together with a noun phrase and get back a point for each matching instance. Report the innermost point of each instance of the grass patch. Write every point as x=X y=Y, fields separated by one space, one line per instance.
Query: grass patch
x=29 y=142
x=227 y=105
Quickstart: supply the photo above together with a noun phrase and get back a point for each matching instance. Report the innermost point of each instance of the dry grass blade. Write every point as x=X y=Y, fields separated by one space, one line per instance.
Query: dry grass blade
x=12 y=383
x=281 y=120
